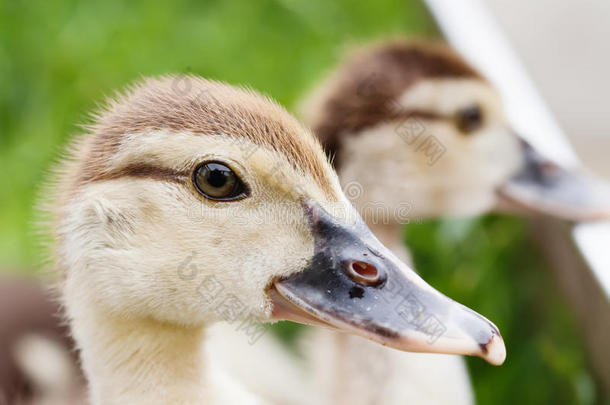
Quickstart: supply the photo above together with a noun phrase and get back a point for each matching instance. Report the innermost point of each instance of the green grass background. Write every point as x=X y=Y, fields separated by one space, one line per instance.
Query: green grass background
x=59 y=58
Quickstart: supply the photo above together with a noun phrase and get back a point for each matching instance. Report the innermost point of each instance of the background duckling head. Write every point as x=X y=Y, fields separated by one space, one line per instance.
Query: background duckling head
x=191 y=201
x=413 y=122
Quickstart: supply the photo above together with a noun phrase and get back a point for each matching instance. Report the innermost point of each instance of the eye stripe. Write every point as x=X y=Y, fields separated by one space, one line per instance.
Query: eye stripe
x=422 y=114
x=145 y=171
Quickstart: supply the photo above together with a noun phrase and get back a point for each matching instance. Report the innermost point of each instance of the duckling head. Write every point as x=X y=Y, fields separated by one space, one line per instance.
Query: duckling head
x=413 y=122
x=191 y=201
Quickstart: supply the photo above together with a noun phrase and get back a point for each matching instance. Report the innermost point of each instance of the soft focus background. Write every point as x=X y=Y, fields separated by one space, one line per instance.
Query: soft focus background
x=59 y=59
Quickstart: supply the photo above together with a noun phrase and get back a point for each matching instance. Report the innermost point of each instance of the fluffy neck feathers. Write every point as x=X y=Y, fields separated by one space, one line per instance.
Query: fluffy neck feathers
x=136 y=361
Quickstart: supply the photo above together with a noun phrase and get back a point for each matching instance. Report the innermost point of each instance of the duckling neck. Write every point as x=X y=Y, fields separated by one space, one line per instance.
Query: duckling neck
x=131 y=361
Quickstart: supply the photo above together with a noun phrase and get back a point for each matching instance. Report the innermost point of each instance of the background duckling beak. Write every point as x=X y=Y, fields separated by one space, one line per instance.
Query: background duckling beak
x=543 y=187
x=357 y=285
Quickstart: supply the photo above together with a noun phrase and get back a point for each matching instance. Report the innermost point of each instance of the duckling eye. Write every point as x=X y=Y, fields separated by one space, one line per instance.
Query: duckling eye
x=216 y=181
x=469 y=119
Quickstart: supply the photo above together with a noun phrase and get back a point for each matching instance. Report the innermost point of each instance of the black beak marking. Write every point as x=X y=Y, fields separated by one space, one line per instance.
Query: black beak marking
x=537 y=169
x=356 y=292
x=346 y=246
x=348 y=277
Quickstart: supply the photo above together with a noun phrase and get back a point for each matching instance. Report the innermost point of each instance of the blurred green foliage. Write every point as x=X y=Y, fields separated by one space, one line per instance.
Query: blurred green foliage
x=492 y=265
x=58 y=59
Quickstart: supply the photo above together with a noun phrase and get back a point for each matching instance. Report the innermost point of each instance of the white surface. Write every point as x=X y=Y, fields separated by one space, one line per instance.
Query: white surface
x=564 y=46
x=471 y=28
x=594 y=243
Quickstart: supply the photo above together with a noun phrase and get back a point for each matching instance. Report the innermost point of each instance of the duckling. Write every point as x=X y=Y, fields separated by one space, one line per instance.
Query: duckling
x=426 y=117
x=33 y=341
x=416 y=132
x=274 y=237
x=50 y=370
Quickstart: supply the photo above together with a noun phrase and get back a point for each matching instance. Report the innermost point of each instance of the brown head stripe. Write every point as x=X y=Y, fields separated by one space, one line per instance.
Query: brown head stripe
x=149 y=172
x=363 y=88
x=192 y=104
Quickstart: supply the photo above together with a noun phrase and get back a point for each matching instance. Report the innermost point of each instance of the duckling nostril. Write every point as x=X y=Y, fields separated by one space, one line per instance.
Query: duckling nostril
x=363 y=273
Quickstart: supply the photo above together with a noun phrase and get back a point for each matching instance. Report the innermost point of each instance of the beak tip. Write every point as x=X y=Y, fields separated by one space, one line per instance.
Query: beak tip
x=494 y=351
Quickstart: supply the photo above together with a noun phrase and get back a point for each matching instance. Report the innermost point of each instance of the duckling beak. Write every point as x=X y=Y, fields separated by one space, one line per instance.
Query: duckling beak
x=544 y=187
x=357 y=285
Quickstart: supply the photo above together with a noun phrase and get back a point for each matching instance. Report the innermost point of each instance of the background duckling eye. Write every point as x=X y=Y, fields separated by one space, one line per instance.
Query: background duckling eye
x=216 y=181
x=469 y=119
